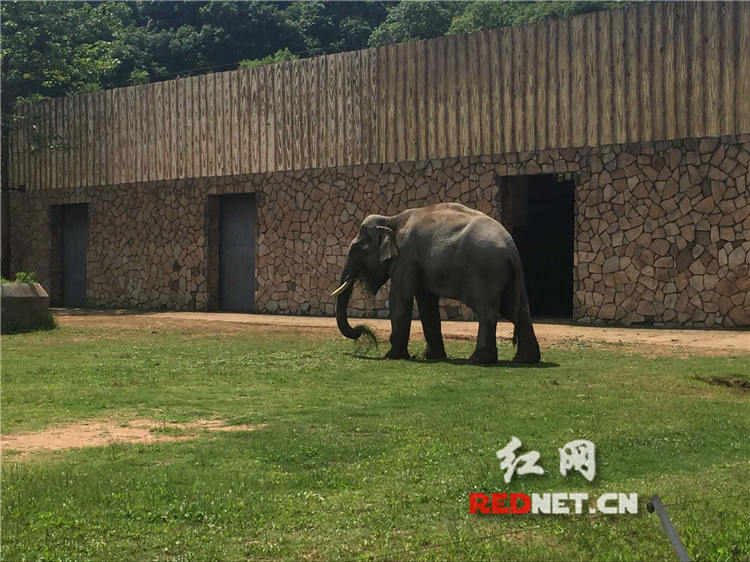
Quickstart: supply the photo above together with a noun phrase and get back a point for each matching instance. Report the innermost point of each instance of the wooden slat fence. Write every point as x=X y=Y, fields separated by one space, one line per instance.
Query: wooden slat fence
x=659 y=71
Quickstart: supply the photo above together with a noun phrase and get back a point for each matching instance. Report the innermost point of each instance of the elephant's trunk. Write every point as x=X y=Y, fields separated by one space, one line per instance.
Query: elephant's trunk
x=342 y=301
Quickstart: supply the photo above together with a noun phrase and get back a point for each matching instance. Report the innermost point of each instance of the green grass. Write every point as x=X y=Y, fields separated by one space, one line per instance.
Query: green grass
x=362 y=458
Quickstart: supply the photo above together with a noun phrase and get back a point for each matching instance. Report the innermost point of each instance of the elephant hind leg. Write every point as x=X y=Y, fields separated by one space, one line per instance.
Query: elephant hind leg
x=527 y=345
x=486 y=349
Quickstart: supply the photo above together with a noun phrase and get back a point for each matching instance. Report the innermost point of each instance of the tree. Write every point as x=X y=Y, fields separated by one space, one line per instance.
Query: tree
x=419 y=19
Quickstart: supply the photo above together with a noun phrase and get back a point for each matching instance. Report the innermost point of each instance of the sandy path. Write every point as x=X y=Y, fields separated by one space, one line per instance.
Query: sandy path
x=699 y=341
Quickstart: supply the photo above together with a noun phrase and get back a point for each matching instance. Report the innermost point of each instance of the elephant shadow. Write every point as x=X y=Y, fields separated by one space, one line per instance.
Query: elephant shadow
x=501 y=364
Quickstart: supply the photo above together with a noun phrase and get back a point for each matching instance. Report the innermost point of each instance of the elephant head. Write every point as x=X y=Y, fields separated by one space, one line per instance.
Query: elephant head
x=368 y=260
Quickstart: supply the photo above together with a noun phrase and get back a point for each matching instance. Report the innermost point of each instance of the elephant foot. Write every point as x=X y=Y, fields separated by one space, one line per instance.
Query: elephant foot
x=397 y=354
x=527 y=356
x=483 y=357
x=431 y=355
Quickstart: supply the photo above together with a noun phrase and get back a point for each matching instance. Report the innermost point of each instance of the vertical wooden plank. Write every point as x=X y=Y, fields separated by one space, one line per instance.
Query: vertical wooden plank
x=464 y=108
x=434 y=96
x=130 y=96
x=695 y=56
x=632 y=90
x=670 y=86
x=683 y=72
x=110 y=126
x=364 y=108
x=42 y=141
x=420 y=102
x=202 y=100
x=258 y=119
x=159 y=155
x=118 y=147
x=563 y=82
x=294 y=127
x=332 y=156
x=224 y=132
x=410 y=101
x=743 y=77
x=509 y=117
x=384 y=105
x=592 y=87
x=101 y=132
x=170 y=126
x=453 y=88
x=187 y=142
x=496 y=93
x=146 y=126
x=52 y=140
x=619 y=76
x=519 y=88
x=476 y=88
x=375 y=109
x=541 y=87
x=246 y=161
x=178 y=123
x=305 y=110
x=267 y=118
x=531 y=76
x=238 y=157
x=389 y=91
x=480 y=52
x=215 y=133
x=278 y=103
x=89 y=144
x=578 y=102
x=55 y=140
x=289 y=116
x=644 y=16
x=314 y=96
x=230 y=124
x=658 y=39
x=730 y=44
x=347 y=117
x=152 y=132
x=713 y=65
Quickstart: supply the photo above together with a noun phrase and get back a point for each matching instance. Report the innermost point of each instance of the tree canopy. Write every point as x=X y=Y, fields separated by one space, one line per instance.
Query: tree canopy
x=52 y=49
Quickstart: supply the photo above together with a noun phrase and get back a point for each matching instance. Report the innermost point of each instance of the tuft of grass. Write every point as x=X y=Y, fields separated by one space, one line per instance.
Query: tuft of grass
x=368 y=339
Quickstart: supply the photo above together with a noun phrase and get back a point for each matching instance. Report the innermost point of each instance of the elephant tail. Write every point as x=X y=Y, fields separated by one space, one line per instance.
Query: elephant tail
x=520 y=300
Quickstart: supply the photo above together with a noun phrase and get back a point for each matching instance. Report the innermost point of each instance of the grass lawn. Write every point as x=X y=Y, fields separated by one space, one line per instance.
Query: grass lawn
x=362 y=458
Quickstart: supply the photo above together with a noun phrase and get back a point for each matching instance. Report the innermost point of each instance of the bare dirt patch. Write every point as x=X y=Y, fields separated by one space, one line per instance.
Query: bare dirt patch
x=93 y=433
x=648 y=341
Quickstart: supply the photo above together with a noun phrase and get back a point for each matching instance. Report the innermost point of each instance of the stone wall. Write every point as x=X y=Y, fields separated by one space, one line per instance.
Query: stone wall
x=661 y=230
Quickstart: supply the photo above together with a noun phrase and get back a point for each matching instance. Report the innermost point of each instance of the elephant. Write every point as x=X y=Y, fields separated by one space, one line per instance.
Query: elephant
x=444 y=250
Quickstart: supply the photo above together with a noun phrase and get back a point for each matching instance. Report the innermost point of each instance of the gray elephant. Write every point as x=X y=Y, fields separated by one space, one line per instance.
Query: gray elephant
x=444 y=250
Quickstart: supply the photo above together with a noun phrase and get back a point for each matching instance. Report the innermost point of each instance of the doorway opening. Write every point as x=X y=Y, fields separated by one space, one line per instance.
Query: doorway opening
x=70 y=232
x=539 y=212
x=231 y=231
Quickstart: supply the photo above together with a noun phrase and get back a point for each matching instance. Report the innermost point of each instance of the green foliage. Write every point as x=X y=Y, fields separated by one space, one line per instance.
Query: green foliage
x=21 y=277
x=418 y=19
x=25 y=277
x=483 y=14
x=361 y=458
x=282 y=55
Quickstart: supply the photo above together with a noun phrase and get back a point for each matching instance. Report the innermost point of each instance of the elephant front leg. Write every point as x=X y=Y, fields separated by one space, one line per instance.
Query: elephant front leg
x=429 y=313
x=401 y=308
x=486 y=350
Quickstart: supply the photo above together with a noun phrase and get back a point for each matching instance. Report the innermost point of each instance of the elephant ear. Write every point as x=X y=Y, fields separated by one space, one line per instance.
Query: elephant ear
x=388 y=249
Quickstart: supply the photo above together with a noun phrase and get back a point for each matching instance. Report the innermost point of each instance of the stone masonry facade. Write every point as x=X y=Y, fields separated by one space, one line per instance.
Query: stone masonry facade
x=662 y=231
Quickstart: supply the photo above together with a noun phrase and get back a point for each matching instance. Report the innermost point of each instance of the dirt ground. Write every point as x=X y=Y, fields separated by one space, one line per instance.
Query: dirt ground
x=92 y=433
x=658 y=340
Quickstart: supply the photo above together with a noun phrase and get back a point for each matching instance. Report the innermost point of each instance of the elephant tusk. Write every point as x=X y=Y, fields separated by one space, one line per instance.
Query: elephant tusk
x=343 y=288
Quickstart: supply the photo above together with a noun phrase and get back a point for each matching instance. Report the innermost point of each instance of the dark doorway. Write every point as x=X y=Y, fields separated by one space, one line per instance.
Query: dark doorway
x=75 y=239
x=237 y=252
x=542 y=224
